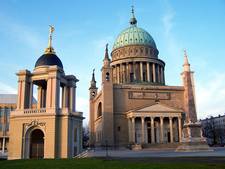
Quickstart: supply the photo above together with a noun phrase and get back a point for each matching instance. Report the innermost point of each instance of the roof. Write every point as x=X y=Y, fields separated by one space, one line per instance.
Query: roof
x=133 y=35
x=158 y=107
x=8 y=98
x=49 y=59
x=11 y=99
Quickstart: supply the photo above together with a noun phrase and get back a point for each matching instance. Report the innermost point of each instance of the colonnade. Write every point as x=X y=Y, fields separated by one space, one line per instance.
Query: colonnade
x=153 y=129
x=53 y=95
x=52 y=92
x=130 y=72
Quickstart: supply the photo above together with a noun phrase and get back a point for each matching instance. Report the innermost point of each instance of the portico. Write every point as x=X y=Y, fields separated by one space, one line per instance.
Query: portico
x=154 y=124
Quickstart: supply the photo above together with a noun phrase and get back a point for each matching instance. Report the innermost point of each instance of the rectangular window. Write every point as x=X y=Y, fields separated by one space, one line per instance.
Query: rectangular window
x=75 y=135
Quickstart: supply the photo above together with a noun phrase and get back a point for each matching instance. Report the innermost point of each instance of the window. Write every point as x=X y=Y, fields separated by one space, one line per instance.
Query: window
x=107 y=77
x=99 y=113
x=75 y=135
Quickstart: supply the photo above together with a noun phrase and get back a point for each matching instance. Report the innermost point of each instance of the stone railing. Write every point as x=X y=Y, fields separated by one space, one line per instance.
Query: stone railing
x=31 y=111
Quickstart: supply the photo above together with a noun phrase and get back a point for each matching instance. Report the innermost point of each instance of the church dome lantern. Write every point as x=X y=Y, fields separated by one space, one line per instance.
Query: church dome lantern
x=49 y=58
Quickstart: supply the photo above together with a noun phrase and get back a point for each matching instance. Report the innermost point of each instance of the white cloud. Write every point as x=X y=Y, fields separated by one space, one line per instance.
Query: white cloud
x=100 y=43
x=210 y=96
x=168 y=23
x=7 y=89
x=167 y=20
x=20 y=32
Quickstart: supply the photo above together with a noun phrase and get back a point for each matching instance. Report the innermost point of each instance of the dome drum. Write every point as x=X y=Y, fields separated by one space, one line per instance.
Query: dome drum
x=139 y=71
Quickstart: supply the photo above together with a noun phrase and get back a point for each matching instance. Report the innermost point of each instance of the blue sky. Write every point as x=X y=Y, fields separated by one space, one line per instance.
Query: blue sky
x=82 y=28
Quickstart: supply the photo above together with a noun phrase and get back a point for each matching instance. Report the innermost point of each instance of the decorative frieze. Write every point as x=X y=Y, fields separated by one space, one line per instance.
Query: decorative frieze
x=149 y=95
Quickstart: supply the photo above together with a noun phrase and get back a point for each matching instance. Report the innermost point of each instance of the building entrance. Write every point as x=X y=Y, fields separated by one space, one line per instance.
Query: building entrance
x=37 y=144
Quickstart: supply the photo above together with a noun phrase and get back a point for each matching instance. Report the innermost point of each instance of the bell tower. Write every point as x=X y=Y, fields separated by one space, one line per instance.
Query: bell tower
x=107 y=104
x=53 y=119
x=93 y=90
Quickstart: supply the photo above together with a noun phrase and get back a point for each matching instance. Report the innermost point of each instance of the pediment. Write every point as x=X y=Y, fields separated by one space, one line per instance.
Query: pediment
x=158 y=107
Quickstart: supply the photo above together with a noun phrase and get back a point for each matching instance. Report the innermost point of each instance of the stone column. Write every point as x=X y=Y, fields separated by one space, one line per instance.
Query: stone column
x=158 y=73
x=39 y=97
x=161 y=130
x=55 y=92
x=43 y=98
x=127 y=73
x=65 y=97
x=141 y=71
x=134 y=71
x=114 y=74
x=153 y=71
x=179 y=129
x=133 y=129
x=49 y=93
x=152 y=131
x=19 y=94
x=4 y=132
x=148 y=72
x=124 y=73
x=162 y=75
x=142 y=130
x=118 y=74
x=129 y=130
x=171 y=129
x=72 y=98
x=3 y=144
x=121 y=73
x=31 y=95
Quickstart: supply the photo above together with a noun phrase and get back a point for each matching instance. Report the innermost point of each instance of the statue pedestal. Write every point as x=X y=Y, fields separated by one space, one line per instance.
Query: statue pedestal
x=192 y=140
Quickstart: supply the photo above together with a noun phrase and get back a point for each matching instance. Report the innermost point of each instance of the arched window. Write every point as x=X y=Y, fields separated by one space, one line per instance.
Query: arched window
x=107 y=76
x=99 y=112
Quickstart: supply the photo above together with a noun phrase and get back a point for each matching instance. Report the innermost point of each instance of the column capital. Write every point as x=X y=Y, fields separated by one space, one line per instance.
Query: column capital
x=170 y=118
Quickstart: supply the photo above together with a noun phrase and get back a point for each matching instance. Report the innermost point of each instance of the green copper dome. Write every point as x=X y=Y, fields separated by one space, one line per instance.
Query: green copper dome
x=134 y=36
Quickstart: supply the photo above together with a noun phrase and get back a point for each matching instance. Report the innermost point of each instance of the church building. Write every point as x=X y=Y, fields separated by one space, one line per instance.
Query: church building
x=135 y=107
x=52 y=128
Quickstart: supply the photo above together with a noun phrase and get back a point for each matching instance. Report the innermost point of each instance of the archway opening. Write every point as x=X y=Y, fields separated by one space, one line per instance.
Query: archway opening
x=37 y=144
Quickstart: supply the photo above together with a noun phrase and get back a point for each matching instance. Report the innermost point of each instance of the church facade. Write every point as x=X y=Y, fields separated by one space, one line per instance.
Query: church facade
x=134 y=105
x=52 y=128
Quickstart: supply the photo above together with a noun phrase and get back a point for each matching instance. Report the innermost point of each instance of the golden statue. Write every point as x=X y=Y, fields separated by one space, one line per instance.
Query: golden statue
x=50 y=49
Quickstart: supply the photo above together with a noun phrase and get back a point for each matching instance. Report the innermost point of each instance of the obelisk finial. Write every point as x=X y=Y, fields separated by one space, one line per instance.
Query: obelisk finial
x=186 y=64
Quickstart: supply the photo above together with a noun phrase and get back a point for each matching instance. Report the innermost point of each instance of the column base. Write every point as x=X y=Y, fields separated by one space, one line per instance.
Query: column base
x=136 y=147
x=195 y=146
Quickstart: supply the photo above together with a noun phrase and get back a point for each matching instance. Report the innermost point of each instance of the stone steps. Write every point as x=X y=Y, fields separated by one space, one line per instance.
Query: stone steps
x=161 y=146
